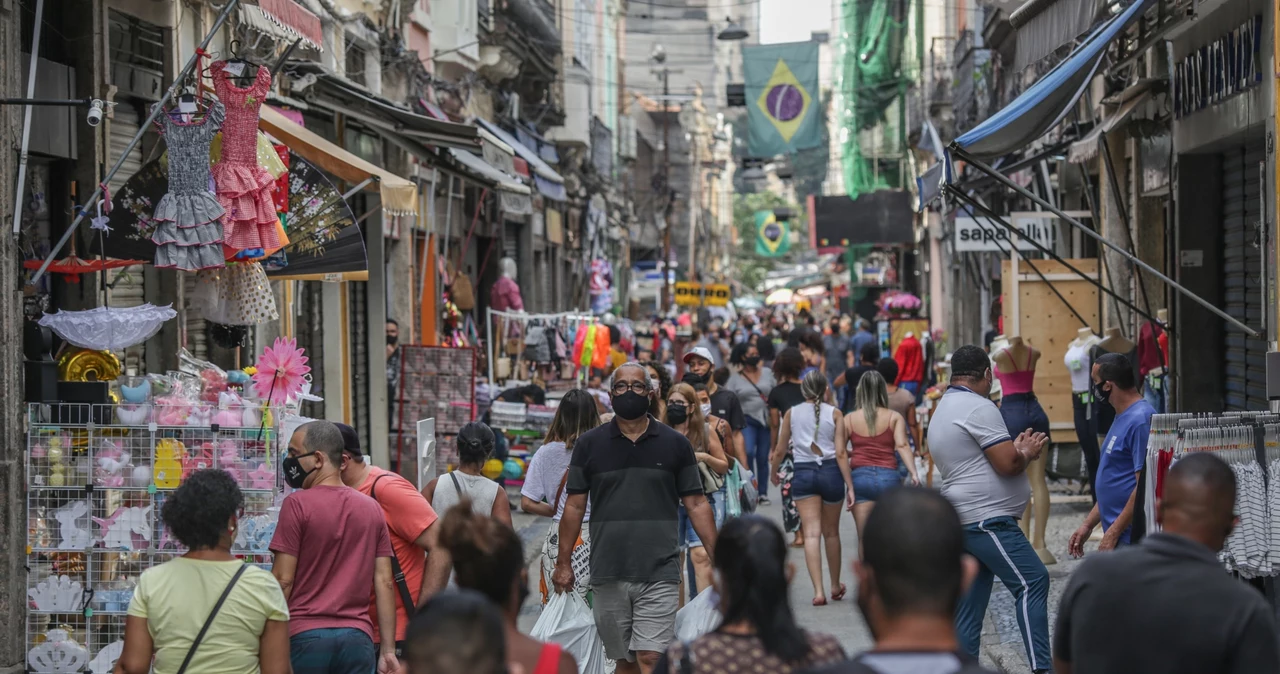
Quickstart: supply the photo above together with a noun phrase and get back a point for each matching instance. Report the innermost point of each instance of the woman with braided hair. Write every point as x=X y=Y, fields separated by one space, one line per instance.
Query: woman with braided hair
x=815 y=434
x=876 y=433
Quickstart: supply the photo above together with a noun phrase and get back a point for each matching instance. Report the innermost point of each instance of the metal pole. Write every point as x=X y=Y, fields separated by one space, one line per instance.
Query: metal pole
x=1097 y=237
x=666 y=184
x=488 y=337
x=155 y=112
x=67 y=102
x=26 y=119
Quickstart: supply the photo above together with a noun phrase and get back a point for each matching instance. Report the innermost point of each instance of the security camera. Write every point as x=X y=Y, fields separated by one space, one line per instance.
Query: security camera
x=96 y=107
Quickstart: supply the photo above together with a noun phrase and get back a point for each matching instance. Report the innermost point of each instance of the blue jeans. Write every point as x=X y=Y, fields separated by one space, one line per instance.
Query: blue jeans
x=872 y=482
x=1004 y=552
x=755 y=437
x=1153 y=392
x=333 y=651
x=913 y=387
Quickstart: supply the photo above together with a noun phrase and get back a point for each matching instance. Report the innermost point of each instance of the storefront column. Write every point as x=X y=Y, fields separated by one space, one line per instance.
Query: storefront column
x=1117 y=272
x=333 y=304
x=376 y=317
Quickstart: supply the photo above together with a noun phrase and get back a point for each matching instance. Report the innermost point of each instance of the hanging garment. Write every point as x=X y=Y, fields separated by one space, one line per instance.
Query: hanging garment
x=536 y=347
x=910 y=358
x=188 y=234
x=588 y=347
x=579 y=343
x=600 y=356
x=239 y=294
x=244 y=186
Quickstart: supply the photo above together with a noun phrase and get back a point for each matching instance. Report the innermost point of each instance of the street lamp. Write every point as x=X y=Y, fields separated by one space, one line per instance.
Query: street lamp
x=733 y=32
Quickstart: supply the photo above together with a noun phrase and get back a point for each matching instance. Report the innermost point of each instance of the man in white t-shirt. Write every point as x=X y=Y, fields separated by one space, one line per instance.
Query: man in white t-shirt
x=984 y=476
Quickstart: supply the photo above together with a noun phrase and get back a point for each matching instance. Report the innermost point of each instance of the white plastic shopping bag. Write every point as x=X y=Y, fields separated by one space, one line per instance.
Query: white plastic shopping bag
x=567 y=620
x=699 y=616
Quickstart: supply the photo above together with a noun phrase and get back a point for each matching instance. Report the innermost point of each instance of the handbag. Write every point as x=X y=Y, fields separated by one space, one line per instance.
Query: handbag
x=195 y=643
x=748 y=495
x=711 y=483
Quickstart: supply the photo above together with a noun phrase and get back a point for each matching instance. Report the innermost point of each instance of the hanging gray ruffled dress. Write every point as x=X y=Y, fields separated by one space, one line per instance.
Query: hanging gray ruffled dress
x=188 y=232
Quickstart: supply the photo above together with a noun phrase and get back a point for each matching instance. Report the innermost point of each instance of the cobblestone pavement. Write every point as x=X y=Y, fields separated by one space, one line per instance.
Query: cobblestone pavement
x=1002 y=647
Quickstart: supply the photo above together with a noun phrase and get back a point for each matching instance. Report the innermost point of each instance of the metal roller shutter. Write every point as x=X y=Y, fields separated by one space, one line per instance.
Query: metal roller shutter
x=125 y=286
x=358 y=353
x=1245 y=357
x=308 y=328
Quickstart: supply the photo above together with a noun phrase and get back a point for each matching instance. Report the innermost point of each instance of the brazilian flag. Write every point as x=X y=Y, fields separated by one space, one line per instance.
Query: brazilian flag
x=772 y=237
x=781 y=82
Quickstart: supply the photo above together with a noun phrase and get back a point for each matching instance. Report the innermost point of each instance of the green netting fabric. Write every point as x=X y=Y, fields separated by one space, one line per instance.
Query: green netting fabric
x=869 y=77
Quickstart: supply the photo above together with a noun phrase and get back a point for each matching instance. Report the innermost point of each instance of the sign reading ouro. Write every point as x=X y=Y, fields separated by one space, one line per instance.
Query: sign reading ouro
x=975 y=235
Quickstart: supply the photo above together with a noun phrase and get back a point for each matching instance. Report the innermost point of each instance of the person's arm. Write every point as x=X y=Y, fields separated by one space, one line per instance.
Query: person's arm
x=138 y=647
x=283 y=567
x=913 y=425
x=842 y=457
x=436 y=575
x=714 y=456
x=903 y=447
x=703 y=518
x=575 y=508
x=841 y=379
x=739 y=448
x=384 y=597
x=775 y=420
x=429 y=491
x=536 y=507
x=273 y=648
x=501 y=510
x=1011 y=457
x=780 y=449
x=1255 y=650
x=1112 y=537
x=567 y=664
x=1075 y=546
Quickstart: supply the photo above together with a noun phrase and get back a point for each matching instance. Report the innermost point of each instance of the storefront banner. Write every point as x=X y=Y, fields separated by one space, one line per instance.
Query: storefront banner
x=980 y=235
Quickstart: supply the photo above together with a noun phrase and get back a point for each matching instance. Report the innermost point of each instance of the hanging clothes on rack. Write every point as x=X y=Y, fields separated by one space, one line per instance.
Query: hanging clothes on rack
x=188 y=234
x=244 y=186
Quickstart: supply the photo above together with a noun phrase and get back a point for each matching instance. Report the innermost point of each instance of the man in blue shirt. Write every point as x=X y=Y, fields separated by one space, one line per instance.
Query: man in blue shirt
x=861 y=339
x=1124 y=455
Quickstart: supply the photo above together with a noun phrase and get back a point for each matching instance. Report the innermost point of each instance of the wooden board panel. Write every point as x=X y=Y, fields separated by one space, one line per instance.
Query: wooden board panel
x=1049 y=325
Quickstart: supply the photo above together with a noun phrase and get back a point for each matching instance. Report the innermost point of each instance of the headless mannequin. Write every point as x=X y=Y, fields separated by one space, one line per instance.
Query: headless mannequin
x=1079 y=362
x=1018 y=356
x=1114 y=342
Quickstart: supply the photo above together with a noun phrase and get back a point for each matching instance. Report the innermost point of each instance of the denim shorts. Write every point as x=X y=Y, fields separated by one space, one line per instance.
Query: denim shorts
x=823 y=480
x=871 y=482
x=1022 y=411
x=687 y=536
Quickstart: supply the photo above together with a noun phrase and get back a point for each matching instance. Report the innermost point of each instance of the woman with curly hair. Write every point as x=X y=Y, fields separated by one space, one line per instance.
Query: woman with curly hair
x=785 y=395
x=543 y=491
x=172 y=601
x=662 y=389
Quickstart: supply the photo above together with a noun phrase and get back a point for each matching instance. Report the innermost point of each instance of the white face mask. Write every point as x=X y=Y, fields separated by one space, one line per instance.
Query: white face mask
x=706 y=410
x=655 y=384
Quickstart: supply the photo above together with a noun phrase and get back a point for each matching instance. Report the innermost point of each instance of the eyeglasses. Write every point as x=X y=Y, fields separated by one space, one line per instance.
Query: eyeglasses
x=641 y=387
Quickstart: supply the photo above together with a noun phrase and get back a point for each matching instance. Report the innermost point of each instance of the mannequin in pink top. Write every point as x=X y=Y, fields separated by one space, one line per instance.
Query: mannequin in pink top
x=1016 y=370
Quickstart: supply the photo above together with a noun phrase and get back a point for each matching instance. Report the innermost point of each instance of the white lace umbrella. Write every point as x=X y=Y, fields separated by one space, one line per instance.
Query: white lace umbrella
x=109 y=328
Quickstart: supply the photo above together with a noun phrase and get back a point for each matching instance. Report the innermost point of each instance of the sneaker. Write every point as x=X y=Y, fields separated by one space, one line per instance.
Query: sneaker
x=764 y=500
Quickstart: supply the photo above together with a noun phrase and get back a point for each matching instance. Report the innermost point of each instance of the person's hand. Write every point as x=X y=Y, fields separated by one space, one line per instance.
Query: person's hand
x=1030 y=444
x=1075 y=547
x=849 y=499
x=562 y=578
x=776 y=479
x=388 y=664
x=915 y=480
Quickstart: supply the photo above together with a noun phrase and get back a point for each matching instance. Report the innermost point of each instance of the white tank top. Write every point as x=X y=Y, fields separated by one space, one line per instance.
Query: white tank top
x=1080 y=366
x=802 y=433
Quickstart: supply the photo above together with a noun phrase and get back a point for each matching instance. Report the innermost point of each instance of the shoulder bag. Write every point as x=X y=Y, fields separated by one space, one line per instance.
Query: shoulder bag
x=209 y=621
x=711 y=483
x=397 y=571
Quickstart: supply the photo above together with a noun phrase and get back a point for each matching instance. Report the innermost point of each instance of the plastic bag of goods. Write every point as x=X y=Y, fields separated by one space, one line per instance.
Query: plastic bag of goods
x=566 y=620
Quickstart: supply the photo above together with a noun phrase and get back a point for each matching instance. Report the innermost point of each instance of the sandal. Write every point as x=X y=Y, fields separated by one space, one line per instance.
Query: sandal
x=819 y=601
x=798 y=542
x=837 y=596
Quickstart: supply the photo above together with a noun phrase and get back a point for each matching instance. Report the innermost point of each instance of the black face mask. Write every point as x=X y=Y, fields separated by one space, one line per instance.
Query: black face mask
x=677 y=414
x=630 y=405
x=392 y=339
x=751 y=361
x=294 y=475
x=692 y=378
x=1102 y=394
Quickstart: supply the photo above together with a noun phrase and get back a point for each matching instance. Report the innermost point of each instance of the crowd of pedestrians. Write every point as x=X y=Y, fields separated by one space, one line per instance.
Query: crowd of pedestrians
x=371 y=575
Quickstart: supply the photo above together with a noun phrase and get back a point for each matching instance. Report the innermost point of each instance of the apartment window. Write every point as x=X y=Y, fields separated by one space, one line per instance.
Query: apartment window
x=355 y=63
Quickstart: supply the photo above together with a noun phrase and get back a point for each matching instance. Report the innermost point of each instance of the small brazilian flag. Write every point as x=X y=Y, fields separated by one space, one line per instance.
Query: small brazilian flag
x=772 y=237
x=781 y=82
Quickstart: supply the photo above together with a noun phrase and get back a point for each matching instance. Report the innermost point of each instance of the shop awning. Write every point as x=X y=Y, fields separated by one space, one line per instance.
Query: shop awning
x=488 y=172
x=549 y=183
x=1087 y=148
x=1047 y=101
x=399 y=196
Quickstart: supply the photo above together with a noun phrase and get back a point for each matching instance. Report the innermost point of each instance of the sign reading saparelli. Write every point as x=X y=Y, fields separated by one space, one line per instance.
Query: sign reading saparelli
x=981 y=235
x=1219 y=70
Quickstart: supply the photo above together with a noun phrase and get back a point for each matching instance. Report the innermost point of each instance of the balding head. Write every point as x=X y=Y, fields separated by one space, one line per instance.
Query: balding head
x=1199 y=500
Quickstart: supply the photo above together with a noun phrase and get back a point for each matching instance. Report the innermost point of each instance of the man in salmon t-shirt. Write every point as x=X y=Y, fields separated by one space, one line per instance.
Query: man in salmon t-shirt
x=411 y=522
x=332 y=550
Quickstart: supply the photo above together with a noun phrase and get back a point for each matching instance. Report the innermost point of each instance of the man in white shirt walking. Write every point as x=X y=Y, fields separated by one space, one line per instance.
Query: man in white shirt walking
x=984 y=476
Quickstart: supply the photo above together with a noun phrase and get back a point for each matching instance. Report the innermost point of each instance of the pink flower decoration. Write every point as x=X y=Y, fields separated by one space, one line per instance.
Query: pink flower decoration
x=280 y=371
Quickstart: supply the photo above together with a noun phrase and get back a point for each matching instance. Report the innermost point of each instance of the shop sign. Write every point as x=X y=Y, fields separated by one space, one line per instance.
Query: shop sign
x=688 y=293
x=977 y=235
x=717 y=295
x=1219 y=70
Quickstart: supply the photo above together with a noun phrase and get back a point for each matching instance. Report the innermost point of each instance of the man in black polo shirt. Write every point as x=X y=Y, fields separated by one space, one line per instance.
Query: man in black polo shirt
x=1167 y=605
x=636 y=471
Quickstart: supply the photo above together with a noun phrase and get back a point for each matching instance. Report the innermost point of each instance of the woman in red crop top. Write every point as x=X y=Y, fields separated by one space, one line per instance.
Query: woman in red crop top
x=875 y=434
x=488 y=557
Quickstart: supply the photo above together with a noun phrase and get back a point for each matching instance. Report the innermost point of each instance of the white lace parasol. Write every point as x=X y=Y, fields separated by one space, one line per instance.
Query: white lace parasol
x=109 y=328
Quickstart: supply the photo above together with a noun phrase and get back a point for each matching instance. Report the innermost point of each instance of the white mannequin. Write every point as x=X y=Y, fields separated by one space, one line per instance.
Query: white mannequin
x=1084 y=339
x=1114 y=342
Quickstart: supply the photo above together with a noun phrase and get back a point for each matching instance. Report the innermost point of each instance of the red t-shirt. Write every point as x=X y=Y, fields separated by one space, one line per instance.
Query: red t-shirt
x=336 y=533
x=408 y=515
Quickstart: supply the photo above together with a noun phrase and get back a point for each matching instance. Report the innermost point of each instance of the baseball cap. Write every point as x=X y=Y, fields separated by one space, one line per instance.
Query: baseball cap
x=350 y=439
x=700 y=352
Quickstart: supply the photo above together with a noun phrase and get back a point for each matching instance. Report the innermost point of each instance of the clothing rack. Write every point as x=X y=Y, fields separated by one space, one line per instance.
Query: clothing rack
x=523 y=319
x=1249 y=442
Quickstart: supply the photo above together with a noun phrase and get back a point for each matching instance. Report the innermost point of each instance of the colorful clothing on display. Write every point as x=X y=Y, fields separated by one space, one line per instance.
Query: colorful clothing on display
x=240 y=294
x=188 y=234
x=244 y=186
x=910 y=358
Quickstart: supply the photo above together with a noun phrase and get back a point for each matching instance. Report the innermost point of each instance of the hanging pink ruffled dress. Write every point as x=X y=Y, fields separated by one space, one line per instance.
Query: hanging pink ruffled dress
x=244 y=187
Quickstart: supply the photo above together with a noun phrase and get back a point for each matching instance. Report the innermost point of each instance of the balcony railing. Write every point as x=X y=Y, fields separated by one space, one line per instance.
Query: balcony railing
x=972 y=86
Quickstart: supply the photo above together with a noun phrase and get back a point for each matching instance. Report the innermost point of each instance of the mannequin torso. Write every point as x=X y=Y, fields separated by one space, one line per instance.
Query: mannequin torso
x=1114 y=342
x=1078 y=360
